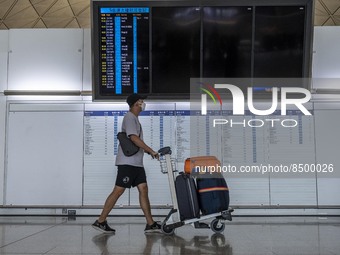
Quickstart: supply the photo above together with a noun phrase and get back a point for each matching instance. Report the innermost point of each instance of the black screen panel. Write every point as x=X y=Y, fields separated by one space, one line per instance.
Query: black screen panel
x=227 y=41
x=175 y=48
x=279 y=41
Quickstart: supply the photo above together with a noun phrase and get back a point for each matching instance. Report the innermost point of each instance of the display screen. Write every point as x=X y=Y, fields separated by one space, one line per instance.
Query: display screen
x=124 y=50
x=279 y=41
x=175 y=48
x=227 y=41
x=155 y=47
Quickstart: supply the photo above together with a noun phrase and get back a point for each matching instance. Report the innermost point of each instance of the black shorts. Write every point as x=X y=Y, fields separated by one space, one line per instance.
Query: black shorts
x=128 y=176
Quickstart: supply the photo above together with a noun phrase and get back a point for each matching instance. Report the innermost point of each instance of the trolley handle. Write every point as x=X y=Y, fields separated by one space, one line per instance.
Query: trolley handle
x=164 y=151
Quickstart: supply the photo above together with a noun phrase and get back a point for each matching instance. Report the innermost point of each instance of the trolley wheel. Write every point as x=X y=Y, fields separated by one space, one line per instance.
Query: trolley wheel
x=216 y=226
x=166 y=229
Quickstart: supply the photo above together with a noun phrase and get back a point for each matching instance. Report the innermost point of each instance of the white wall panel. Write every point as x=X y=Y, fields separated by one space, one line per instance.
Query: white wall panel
x=45 y=59
x=3 y=86
x=2 y=145
x=326 y=56
x=327 y=122
x=3 y=59
x=87 y=65
x=44 y=158
x=328 y=191
x=248 y=191
x=293 y=191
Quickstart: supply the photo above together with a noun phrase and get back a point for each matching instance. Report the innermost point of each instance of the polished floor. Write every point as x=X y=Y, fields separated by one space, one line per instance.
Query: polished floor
x=242 y=236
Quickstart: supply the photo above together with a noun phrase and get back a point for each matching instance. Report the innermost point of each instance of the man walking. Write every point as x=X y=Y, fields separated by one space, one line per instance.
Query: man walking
x=131 y=171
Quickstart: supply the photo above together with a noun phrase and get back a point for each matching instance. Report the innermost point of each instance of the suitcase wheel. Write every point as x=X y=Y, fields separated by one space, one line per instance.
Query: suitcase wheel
x=217 y=226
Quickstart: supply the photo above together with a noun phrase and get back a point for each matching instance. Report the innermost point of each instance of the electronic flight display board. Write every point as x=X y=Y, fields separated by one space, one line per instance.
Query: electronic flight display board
x=155 y=47
x=124 y=54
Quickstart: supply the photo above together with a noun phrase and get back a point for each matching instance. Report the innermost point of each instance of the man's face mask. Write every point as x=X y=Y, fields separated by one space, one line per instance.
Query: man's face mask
x=143 y=105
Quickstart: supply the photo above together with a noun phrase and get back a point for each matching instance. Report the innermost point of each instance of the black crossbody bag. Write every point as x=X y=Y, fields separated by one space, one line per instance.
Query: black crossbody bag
x=128 y=147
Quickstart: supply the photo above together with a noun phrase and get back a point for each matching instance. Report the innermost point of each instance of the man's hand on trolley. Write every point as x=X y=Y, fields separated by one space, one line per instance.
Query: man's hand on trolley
x=154 y=155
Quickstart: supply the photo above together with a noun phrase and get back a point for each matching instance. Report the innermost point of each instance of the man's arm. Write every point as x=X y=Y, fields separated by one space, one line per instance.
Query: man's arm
x=139 y=142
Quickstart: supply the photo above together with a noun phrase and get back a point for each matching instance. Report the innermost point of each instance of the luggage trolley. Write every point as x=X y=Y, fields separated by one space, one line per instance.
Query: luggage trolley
x=172 y=220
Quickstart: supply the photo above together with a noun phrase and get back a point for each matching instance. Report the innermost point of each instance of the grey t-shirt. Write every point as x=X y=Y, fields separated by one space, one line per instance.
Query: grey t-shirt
x=131 y=126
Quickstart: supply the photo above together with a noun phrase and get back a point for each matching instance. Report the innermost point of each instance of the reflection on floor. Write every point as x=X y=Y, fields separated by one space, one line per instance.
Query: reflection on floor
x=56 y=235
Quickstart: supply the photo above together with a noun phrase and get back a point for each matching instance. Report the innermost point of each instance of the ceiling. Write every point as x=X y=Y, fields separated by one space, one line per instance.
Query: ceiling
x=44 y=14
x=76 y=13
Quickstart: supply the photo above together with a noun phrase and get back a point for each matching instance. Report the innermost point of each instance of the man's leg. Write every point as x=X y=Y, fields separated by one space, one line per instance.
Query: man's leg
x=144 y=202
x=110 y=202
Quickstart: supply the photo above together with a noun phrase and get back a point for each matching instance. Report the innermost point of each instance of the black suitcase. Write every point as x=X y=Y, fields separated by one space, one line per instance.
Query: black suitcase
x=213 y=195
x=187 y=197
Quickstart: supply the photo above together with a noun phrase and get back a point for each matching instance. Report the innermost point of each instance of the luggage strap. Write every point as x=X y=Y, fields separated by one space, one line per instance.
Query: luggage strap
x=212 y=189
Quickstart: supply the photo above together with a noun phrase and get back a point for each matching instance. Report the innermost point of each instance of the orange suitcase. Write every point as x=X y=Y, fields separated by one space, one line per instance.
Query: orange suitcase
x=202 y=165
